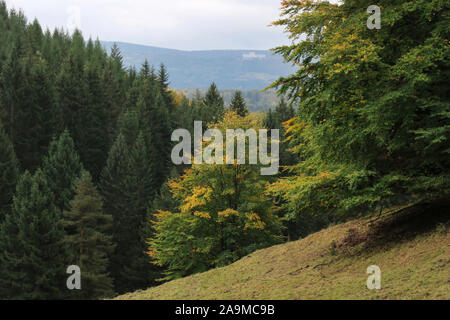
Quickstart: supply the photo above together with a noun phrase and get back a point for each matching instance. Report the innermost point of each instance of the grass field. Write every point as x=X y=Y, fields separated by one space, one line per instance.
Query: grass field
x=410 y=244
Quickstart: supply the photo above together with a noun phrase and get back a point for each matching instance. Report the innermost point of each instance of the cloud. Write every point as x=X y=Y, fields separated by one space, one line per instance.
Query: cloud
x=180 y=24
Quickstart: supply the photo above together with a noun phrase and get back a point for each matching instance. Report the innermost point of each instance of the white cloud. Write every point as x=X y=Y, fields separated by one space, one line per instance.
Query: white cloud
x=181 y=24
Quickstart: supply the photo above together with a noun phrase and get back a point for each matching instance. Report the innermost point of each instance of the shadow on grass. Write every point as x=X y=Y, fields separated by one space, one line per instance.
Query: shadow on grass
x=397 y=226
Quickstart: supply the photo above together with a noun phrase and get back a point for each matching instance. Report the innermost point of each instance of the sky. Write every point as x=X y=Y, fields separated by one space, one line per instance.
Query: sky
x=176 y=24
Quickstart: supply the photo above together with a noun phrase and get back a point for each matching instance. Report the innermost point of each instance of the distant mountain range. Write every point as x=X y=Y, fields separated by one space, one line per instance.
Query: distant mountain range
x=229 y=69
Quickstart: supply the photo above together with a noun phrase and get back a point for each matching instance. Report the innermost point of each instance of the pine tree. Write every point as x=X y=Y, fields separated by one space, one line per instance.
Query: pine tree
x=238 y=104
x=32 y=251
x=72 y=92
x=62 y=167
x=35 y=120
x=116 y=194
x=9 y=173
x=156 y=128
x=128 y=189
x=163 y=80
x=89 y=244
x=116 y=56
x=214 y=104
x=11 y=85
x=94 y=139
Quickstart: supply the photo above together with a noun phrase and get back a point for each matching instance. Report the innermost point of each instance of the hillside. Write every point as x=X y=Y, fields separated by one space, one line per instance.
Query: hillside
x=411 y=245
x=229 y=69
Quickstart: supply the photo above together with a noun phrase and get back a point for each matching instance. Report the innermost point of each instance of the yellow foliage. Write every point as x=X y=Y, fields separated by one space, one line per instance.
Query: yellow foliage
x=204 y=215
x=227 y=213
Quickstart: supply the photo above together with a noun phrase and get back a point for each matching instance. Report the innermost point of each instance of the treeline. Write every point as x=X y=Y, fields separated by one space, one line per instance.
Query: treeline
x=256 y=100
x=85 y=149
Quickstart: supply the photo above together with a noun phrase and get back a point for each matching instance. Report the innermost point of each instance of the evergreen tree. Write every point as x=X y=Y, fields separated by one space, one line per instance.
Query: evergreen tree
x=9 y=173
x=155 y=126
x=118 y=203
x=36 y=117
x=238 y=104
x=89 y=244
x=128 y=189
x=214 y=105
x=11 y=84
x=62 y=167
x=32 y=251
x=95 y=137
x=116 y=56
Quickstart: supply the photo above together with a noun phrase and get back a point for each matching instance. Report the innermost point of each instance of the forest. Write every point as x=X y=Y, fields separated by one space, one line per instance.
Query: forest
x=86 y=176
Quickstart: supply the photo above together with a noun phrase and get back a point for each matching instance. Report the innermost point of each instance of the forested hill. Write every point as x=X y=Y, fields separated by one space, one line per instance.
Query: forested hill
x=229 y=69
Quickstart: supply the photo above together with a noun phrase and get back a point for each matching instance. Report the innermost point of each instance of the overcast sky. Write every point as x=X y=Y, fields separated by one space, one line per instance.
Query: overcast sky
x=177 y=24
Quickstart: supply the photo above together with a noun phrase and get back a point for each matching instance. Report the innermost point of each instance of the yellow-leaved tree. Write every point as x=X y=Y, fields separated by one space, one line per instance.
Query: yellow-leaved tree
x=223 y=212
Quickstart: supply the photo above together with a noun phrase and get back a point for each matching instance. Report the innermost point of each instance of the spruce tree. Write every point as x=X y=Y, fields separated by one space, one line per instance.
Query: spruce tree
x=214 y=104
x=156 y=128
x=116 y=194
x=12 y=86
x=128 y=189
x=238 y=104
x=94 y=139
x=35 y=119
x=88 y=240
x=9 y=173
x=32 y=251
x=62 y=167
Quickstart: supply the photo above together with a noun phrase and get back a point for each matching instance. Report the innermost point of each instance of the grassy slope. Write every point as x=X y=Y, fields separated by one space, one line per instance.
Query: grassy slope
x=411 y=251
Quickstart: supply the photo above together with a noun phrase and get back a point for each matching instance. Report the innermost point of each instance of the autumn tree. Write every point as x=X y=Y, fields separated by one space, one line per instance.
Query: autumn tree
x=223 y=214
x=372 y=126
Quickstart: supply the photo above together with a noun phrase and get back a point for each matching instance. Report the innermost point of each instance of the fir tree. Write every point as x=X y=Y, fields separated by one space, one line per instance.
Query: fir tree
x=62 y=167
x=214 y=104
x=238 y=104
x=155 y=126
x=116 y=193
x=32 y=251
x=89 y=244
x=128 y=189
x=9 y=173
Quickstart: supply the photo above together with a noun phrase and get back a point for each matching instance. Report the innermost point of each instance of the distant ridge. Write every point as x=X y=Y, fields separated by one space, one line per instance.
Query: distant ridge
x=229 y=69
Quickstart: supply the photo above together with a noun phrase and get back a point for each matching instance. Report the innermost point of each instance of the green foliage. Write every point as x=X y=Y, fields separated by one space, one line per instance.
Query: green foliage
x=238 y=104
x=128 y=189
x=89 y=244
x=9 y=173
x=62 y=167
x=32 y=251
x=213 y=105
x=256 y=100
x=372 y=126
x=223 y=214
